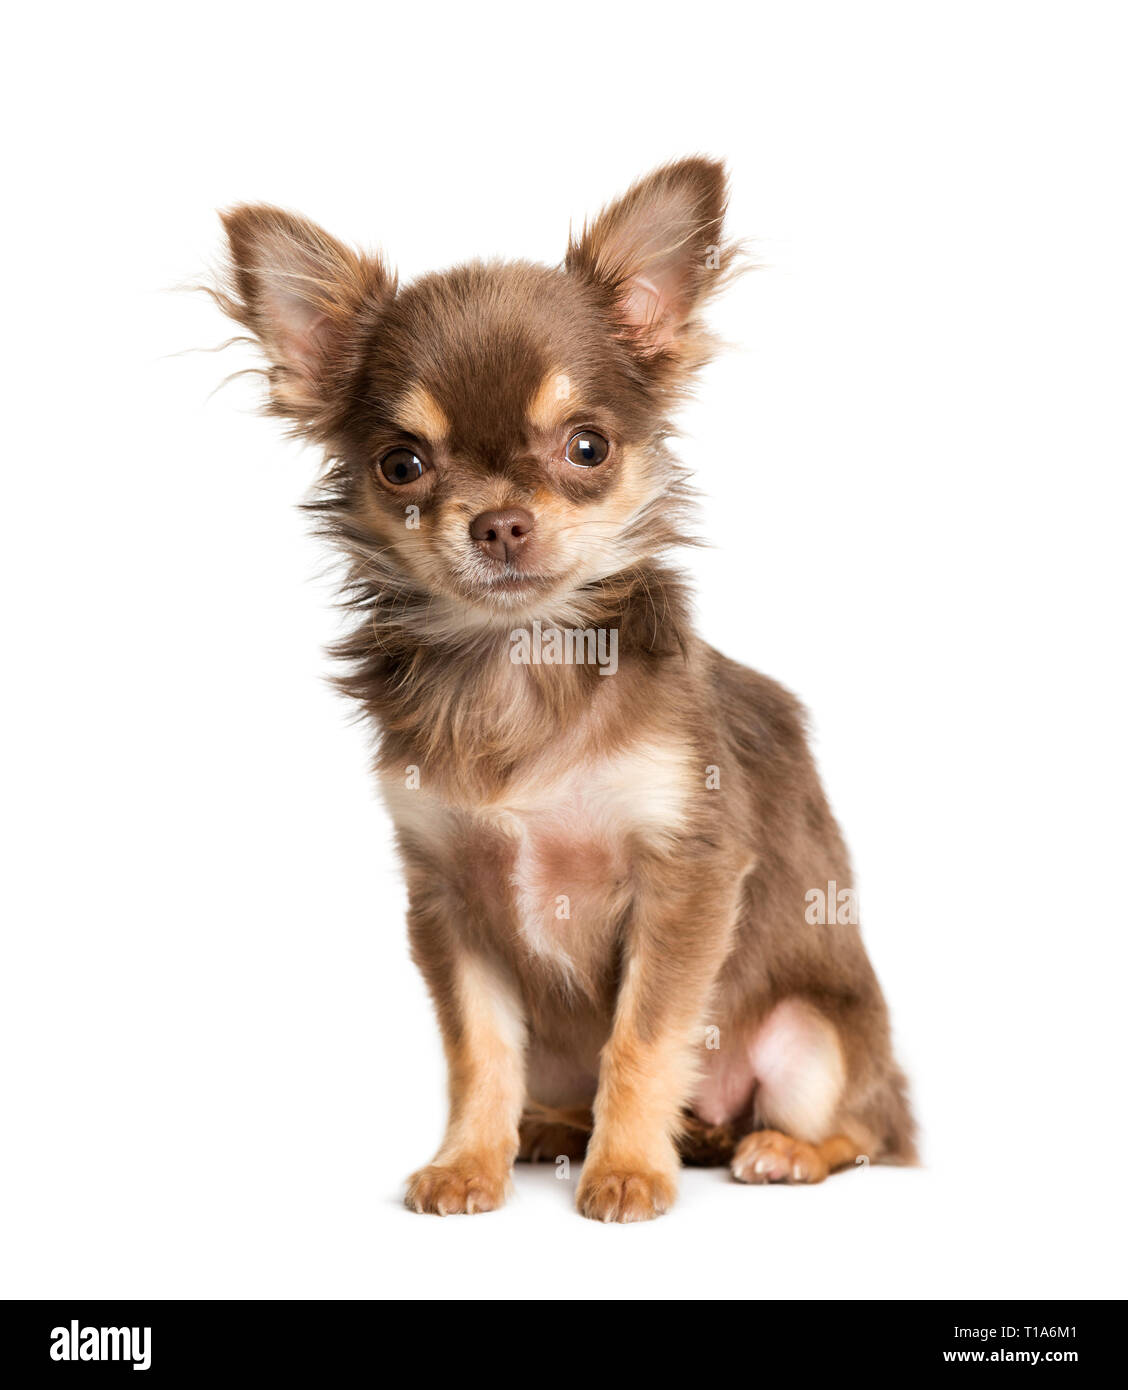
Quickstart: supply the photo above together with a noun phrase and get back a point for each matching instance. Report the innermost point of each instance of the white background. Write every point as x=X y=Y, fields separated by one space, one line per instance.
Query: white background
x=218 y=1063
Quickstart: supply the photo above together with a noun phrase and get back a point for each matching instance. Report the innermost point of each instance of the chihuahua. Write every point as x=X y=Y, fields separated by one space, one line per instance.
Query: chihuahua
x=614 y=866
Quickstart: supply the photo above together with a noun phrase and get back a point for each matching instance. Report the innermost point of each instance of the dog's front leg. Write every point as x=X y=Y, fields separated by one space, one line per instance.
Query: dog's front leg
x=679 y=937
x=484 y=1037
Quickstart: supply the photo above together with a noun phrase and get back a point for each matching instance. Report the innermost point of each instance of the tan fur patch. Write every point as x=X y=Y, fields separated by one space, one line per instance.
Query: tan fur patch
x=487 y=1067
x=420 y=414
x=552 y=404
x=768 y=1156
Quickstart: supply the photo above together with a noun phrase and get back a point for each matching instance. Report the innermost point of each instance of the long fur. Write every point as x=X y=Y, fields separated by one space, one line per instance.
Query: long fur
x=673 y=809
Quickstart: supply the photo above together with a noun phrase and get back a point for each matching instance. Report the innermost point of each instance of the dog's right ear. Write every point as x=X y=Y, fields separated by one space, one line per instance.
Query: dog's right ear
x=308 y=300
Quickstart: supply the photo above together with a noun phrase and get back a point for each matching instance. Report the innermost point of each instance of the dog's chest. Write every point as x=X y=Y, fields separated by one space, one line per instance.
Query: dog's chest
x=555 y=849
x=571 y=874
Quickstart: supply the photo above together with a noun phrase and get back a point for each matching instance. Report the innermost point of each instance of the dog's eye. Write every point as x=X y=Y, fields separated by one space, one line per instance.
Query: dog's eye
x=587 y=449
x=402 y=466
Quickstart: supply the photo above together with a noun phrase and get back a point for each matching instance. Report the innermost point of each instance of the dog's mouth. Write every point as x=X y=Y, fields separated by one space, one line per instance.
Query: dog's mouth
x=516 y=582
x=509 y=584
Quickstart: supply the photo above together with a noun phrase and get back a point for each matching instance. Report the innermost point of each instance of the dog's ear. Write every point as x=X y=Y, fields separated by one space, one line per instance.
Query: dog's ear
x=308 y=301
x=658 y=253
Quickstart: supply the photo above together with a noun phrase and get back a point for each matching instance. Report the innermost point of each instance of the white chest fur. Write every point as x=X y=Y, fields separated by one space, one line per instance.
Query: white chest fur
x=571 y=827
x=573 y=838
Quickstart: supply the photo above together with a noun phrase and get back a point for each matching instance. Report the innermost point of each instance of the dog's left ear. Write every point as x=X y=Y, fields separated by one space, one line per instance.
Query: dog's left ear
x=658 y=253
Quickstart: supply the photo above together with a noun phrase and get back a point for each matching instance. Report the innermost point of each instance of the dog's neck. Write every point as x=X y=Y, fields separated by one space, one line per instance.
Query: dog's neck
x=465 y=703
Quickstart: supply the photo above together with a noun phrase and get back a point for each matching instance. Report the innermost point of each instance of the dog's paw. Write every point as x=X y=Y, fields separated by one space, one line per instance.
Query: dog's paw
x=768 y=1156
x=456 y=1187
x=617 y=1194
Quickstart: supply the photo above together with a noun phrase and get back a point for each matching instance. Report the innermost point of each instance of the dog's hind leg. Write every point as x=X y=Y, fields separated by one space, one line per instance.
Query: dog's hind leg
x=547 y=1134
x=766 y=1155
x=806 y=1105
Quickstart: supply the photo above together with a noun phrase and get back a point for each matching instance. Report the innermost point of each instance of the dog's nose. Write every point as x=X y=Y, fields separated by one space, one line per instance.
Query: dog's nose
x=501 y=534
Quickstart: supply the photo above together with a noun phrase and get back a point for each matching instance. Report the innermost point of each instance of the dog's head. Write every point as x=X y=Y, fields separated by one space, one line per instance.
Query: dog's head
x=495 y=430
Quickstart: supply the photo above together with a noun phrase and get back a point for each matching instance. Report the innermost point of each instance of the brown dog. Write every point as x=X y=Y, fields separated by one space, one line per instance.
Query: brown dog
x=615 y=839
